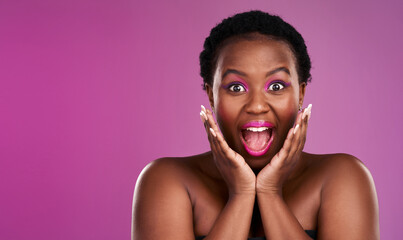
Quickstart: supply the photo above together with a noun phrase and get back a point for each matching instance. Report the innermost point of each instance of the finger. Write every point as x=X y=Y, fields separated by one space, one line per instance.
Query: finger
x=213 y=138
x=222 y=158
x=212 y=124
x=297 y=124
x=285 y=150
x=291 y=143
x=307 y=112
x=203 y=108
x=208 y=120
x=218 y=145
x=210 y=134
x=300 y=137
x=213 y=144
x=203 y=117
x=219 y=138
x=215 y=135
x=304 y=128
x=222 y=145
x=297 y=137
x=227 y=151
x=211 y=121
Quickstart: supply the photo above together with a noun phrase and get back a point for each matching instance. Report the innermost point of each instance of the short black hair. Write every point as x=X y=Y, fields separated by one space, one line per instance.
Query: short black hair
x=253 y=22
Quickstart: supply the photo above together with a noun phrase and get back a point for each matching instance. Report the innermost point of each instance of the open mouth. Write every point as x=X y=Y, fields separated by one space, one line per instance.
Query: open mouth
x=257 y=140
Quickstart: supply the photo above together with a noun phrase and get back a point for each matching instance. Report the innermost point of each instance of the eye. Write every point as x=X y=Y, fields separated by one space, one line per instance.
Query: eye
x=237 y=88
x=276 y=86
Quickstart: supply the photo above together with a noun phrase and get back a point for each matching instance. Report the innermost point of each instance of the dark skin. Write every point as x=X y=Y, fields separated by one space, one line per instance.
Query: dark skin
x=228 y=194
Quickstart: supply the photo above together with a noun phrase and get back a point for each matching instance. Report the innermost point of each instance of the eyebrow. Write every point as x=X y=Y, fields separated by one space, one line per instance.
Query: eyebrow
x=284 y=69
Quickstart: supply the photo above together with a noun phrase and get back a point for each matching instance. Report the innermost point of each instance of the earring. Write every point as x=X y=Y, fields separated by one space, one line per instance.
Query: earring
x=299 y=108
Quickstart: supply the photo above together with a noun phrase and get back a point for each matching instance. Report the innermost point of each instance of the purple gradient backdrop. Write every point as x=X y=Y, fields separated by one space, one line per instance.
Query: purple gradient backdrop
x=92 y=91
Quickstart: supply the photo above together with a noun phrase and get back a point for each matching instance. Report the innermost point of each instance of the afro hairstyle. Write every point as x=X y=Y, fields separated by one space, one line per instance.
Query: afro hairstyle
x=251 y=22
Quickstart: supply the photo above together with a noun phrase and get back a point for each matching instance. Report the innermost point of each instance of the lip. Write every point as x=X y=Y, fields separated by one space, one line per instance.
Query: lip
x=268 y=144
x=258 y=124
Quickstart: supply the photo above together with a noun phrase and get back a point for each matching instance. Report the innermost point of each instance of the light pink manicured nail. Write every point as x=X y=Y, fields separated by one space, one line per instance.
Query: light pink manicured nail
x=304 y=113
x=310 y=109
x=212 y=132
x=203 y=114
x=203 y=108
x=307 y=112
x=295 y=129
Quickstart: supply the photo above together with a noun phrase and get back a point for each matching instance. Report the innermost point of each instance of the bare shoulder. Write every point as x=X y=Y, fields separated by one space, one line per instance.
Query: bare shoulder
x=175 y=171
x=161 y=202
x=338 y=165
x=345 y=174
x=164 y=169
x=349 y=205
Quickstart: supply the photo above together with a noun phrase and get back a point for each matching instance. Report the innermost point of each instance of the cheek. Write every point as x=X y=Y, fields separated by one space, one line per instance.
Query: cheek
x=291 y=115
x=225 y=113
x=287 y=111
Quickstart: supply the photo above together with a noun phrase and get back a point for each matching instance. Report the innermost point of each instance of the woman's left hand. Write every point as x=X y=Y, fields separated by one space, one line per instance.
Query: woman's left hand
x=271 y=178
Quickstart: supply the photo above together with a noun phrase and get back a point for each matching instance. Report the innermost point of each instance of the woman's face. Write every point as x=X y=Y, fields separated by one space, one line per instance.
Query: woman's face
x=256 y=95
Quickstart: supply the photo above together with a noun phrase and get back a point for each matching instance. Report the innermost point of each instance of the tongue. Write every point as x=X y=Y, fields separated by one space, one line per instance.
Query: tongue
x=256 y=140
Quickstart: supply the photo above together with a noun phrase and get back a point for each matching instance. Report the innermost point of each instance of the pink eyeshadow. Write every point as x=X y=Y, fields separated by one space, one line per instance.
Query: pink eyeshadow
x=237 y=80
x=269 y=82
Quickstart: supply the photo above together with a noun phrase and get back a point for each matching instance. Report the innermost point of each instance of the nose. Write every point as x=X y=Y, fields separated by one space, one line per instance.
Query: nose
x=257 y=104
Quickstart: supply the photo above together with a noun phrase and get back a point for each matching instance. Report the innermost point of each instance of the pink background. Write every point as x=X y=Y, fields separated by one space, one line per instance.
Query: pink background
x=91 y=91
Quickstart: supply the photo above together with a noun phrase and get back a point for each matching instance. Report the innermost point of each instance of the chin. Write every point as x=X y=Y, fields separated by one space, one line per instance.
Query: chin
x=256 y=163
x=256 y=166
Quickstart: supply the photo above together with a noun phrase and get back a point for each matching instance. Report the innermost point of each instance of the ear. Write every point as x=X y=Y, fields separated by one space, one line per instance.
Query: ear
x=209 y=91
x=302 y=87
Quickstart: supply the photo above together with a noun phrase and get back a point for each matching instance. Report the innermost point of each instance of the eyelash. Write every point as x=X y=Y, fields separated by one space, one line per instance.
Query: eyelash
x=231 y=86
x=244 y=89
x=283 y=85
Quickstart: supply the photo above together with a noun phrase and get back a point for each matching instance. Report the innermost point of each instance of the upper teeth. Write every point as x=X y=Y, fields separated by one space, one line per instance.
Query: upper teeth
x=259 y=129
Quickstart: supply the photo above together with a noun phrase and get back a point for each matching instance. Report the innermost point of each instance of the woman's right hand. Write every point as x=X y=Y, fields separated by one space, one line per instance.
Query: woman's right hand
x=237 y=174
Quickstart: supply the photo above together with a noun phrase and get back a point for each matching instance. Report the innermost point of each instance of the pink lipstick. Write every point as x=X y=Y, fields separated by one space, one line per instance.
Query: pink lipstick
x=257 y=124
x=257 y=137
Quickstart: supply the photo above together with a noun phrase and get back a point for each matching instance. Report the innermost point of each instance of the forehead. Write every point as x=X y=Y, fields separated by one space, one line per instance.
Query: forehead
x=251 y=54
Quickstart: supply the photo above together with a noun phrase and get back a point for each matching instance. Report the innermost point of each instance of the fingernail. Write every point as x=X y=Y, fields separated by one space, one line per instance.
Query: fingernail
x=295 y=129
x=310 y=109
x=203 y=114
x=212 y=132
x=307 y=111
x=304 y=114
x=203 y=108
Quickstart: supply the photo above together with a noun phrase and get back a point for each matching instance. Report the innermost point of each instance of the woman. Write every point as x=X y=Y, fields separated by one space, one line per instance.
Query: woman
x=255 y=181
